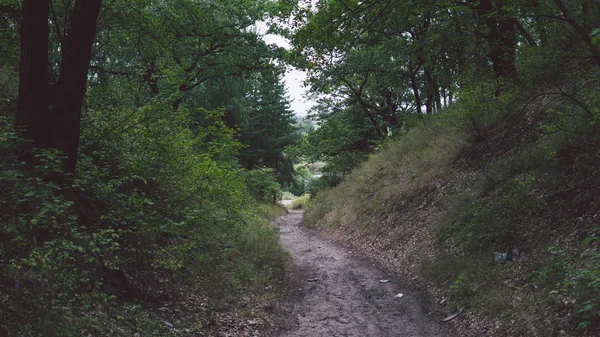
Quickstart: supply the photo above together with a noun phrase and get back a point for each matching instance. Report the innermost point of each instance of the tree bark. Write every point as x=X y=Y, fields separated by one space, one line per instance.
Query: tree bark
x=72 y=81
x=415 y=89
x=32 y=104
x=429 y=90
x=50 y=115
x=497 y=28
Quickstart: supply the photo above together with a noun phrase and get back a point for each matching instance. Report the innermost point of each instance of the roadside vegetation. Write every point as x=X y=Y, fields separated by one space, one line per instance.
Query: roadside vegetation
x=140 y=164
x=300 y=202
x=476 y=177
x=145 y=145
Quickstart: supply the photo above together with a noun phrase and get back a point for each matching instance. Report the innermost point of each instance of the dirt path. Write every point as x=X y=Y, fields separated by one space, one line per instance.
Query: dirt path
x=333 y=294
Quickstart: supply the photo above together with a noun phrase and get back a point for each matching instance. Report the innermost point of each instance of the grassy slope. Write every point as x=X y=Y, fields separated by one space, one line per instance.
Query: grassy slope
x=433 y=206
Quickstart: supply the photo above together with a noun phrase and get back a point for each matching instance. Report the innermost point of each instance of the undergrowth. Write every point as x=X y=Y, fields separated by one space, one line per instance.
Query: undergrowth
x=300 y=202
x=515 y=174
x=388 y=179
x=156 y=217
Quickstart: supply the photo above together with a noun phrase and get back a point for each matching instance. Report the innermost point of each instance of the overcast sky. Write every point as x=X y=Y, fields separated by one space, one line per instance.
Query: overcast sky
x=293 y=77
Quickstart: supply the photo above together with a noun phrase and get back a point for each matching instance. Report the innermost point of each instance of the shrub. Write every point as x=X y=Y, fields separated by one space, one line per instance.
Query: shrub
x=154 y=211
x=576 y=277
x=302 y=178
x=316 y=185
x=300 y=202
x=262 y=184
x=480 y=108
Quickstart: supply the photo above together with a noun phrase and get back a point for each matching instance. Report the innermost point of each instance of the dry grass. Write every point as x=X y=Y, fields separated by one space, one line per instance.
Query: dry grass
x=428 y=207
x=300 y=202
x=402 y=171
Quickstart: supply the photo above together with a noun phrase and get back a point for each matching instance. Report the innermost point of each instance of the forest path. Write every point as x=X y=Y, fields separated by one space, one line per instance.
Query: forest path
x=333 y=294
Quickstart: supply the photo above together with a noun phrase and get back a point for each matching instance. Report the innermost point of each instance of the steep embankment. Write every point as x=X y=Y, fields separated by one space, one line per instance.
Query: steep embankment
x=433 y=207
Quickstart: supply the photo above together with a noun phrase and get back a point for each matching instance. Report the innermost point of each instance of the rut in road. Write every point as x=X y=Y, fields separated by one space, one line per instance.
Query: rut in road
x=333 y=294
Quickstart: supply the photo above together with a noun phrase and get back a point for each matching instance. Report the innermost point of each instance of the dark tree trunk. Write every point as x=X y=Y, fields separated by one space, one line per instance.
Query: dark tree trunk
x=150 y=78
x=71 y=86
x=497 y=28
x=32 y=106
x=504 y=52
x=276 y=172
x=415 y=88
x=250 y=164
x=389 y=112
x=430 y=92
x=54 y=122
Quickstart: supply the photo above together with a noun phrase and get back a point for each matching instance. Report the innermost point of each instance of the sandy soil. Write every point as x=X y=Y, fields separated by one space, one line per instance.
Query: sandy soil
x=332 y=293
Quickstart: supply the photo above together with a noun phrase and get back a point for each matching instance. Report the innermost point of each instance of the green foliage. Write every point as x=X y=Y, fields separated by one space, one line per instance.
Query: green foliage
x=300 y=202
x=158 y=208
x=307 y=181
x=46 y=255
x=262 y=184
x=479 y=108
x=577 y=277
x=337 y=141
x=302 y=178
x=383 y=183
x=268 y=128
x=316 y=185
x=9 y=51
x=151 y=200
x=596 y=36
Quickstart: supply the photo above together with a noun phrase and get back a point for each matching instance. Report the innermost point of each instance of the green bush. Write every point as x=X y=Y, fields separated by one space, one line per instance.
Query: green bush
x=576 y=277
x=302 y=178
x=262 y=184
x=314 y=186
x=300 y=202
x=153 y=211
x=480 y=108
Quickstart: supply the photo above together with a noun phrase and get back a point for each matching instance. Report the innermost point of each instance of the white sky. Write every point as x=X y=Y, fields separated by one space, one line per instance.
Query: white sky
x=293 y=77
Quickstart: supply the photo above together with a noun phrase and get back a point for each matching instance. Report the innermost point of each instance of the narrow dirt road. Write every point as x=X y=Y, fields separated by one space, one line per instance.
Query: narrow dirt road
x=332 y=294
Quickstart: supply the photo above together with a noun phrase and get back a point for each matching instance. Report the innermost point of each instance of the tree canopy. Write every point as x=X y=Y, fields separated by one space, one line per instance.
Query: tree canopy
x=397 y=62
x=141 y=141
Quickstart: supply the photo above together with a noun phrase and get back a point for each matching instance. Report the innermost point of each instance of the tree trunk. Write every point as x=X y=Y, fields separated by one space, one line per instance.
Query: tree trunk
x=54 y=122
x=32 y=105
x=72 y=81
x=497 y=27
x=429 y=89
x=150 y=78
x=415 y=88
x=504 y=52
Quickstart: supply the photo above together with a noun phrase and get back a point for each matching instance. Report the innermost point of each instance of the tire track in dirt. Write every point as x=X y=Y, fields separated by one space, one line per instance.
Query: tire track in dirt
x=332 y=294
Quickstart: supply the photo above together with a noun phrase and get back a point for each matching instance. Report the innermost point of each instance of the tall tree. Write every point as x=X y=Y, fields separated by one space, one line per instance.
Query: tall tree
x=495 y=25
x=50 y=113
x=268 y=128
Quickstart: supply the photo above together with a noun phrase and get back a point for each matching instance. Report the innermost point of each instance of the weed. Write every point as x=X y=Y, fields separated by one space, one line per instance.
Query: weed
x=579 y=278
x=300 y=202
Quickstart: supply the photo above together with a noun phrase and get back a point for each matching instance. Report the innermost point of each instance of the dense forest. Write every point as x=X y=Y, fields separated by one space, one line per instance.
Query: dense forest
x=145 y=145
